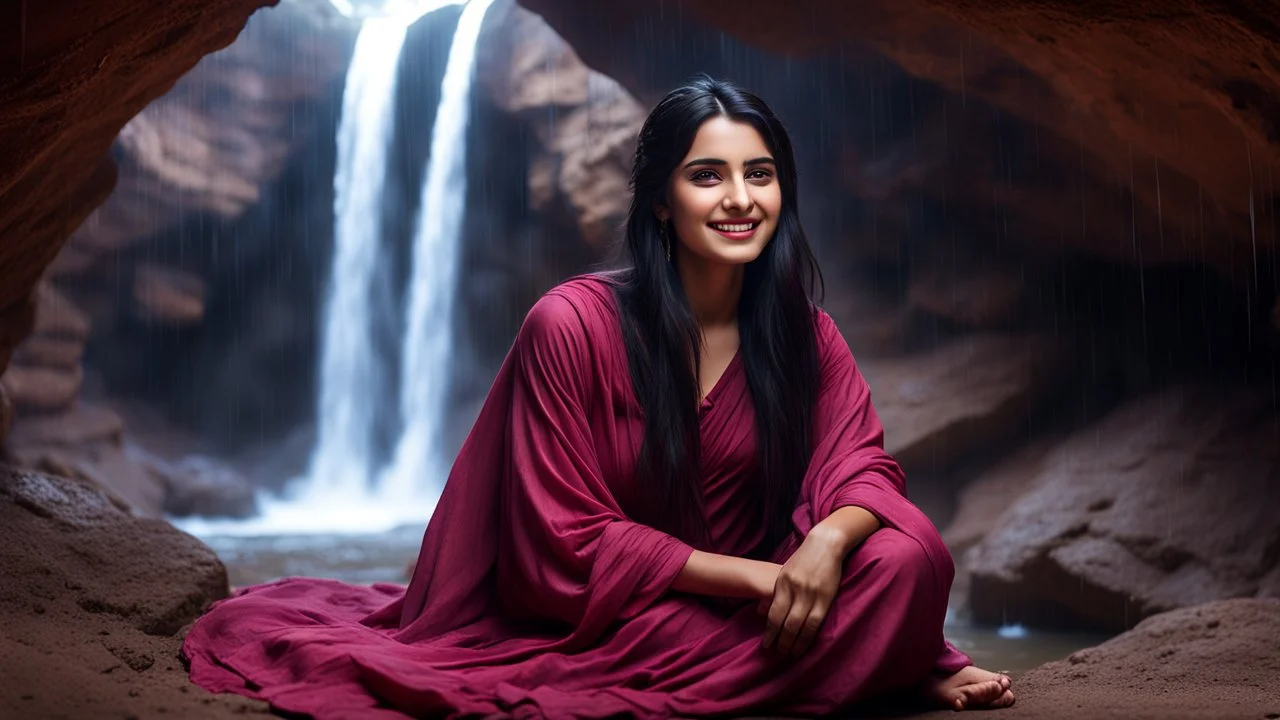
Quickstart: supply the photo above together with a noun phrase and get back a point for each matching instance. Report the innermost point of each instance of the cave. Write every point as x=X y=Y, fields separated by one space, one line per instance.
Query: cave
x=1048 y=233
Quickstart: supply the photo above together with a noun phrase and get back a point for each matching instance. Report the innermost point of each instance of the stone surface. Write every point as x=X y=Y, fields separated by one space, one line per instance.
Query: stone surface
x=86 y=442
x=79 y=73
x=45 y=374
x=1131 y=131
x=167 y=295
x=939 y=405
x=1167 y=502
x=587 y=147
x=92 y=601
x=202 y=486
x=222 y=134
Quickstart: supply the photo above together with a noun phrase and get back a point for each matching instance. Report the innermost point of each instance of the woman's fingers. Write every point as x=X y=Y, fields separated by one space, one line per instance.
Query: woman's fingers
x=778 y=612
x=809 y=631
x=794 y=623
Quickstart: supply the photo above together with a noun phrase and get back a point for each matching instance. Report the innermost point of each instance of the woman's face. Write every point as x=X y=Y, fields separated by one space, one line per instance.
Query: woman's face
x=724 y=199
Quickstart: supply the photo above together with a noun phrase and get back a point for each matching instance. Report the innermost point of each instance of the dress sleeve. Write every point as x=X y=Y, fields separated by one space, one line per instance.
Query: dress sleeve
x=567 y=552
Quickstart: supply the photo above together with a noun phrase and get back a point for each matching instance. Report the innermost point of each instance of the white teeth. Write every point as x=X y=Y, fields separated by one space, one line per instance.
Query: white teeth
x=733 y=228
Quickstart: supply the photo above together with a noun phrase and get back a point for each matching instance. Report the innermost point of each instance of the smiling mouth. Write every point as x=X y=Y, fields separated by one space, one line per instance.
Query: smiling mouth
x=735 y=230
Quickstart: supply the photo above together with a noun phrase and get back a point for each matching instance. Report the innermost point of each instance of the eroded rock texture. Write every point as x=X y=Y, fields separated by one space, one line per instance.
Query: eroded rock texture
x=1138 y=132
x=72 y=77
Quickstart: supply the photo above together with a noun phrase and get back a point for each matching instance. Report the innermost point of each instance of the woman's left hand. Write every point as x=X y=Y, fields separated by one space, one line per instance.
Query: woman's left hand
x=806 y=587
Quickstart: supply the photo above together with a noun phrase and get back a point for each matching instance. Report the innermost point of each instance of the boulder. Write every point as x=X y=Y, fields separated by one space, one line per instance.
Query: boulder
x=940 y=405
x=92 y=601
x=86 y=442
x=1168 y=502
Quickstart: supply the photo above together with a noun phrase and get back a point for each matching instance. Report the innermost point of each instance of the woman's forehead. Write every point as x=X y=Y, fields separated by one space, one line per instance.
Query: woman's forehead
x=723 y=139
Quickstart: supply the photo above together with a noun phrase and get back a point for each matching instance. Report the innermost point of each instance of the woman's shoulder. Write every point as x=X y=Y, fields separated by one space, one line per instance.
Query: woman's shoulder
x=575 y=309
x=823 y=324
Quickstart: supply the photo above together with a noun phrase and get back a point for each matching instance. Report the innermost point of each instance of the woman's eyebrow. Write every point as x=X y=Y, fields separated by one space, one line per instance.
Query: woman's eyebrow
x=717 y=161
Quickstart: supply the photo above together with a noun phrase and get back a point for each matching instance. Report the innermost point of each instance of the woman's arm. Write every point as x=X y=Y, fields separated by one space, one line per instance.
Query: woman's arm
x=726 y=576
x=847 y=527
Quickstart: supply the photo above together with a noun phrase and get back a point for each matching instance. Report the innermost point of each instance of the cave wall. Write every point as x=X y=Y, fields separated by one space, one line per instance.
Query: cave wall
x=72 y=74
x=1157 y=120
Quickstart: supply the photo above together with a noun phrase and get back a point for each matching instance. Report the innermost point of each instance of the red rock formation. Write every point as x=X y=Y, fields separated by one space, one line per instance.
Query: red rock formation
x=1162 y=116
x=76 y=74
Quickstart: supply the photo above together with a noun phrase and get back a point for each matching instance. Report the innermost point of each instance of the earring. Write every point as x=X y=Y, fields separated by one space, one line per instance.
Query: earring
x=666 y=239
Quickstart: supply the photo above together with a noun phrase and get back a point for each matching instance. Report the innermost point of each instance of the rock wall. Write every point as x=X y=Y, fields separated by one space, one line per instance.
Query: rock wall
x=1138 y=132
x=69 y=81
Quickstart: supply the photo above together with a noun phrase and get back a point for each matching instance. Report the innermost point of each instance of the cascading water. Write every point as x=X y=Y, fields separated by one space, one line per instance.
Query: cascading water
x=351 y=377
x=337 y=494
x=418 y=459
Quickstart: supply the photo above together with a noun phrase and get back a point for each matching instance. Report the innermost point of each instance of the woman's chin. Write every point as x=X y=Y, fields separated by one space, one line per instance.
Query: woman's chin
x=740 y=255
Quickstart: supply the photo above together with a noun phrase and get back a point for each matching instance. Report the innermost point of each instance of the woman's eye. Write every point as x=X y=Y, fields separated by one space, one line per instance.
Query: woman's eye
x=759 y=175
x=704 y=176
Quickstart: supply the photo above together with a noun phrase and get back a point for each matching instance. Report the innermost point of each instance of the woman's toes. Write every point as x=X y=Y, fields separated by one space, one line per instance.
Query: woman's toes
x=979 y=694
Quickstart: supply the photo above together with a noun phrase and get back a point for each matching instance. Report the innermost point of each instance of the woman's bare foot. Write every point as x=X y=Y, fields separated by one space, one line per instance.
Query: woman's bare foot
x=971 y=689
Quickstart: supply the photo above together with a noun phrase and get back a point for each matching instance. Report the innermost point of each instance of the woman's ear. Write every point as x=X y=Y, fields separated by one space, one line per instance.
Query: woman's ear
x=662 y=212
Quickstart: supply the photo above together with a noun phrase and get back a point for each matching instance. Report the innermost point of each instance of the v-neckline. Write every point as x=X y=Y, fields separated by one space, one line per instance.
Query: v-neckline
x=708 y=400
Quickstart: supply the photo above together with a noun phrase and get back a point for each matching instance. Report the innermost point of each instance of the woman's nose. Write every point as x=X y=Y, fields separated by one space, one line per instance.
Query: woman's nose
x=737 y=197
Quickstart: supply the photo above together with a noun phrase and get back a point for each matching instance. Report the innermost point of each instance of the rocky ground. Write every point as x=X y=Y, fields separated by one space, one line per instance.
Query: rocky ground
x=94 y=601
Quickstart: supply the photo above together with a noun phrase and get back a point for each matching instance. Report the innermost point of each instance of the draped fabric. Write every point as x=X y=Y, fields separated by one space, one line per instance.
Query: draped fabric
x=534 y=595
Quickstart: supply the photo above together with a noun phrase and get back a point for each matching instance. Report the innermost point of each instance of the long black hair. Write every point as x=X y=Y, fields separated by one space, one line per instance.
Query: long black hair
x=663 y=340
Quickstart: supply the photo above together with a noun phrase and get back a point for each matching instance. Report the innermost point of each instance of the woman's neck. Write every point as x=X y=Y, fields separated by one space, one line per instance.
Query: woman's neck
x=713 y=290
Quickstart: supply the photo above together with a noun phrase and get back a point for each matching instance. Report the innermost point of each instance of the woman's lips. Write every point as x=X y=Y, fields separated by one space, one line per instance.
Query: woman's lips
x=736 y=231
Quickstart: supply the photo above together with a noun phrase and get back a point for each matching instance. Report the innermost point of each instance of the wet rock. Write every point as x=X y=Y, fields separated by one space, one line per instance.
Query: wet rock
x=81 y=72
x=50 y=352
x=1086 y=101
x=968 y=287
x=86 y=442
x=213 y=142
x=46 y=377
x=203 y=486
x=1167 y=502
x=940 y=405
x=6 y=415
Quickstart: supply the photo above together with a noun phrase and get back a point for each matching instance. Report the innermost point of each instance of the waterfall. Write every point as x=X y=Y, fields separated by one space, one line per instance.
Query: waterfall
x=351 y=377
x=419 y=464
x=337 y=494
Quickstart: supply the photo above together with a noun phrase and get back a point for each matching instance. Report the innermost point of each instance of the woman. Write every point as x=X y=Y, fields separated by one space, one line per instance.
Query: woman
x=675 y=501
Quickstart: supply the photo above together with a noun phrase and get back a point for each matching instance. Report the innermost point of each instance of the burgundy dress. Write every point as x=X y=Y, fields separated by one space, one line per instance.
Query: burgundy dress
x=534 y=595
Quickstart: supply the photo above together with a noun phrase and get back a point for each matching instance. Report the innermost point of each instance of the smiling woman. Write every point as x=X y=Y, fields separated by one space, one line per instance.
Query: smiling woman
x=729 y=187
x=675 y=500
